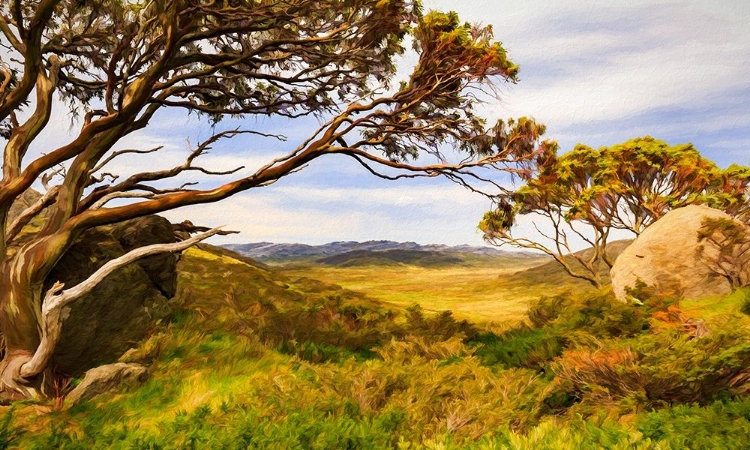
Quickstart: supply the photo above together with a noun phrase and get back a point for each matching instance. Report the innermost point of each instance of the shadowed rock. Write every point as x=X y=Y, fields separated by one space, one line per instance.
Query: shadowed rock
x=124 y=308
x=121 y=310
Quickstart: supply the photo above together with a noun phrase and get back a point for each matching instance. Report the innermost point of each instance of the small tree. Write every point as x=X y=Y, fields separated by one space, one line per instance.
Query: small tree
x=725 y=248
x=735 y=192
x=586 y=193
x=116 y=63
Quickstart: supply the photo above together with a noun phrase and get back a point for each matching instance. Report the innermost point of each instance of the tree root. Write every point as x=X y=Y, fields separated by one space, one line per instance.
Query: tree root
x=13 y=386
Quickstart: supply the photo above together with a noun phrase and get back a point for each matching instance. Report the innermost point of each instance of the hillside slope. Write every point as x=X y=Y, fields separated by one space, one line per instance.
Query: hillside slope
x=392 y=257
x=553 y=274
x=480 y=288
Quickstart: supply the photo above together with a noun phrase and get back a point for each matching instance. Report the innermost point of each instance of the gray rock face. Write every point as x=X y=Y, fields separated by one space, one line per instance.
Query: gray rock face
x=126 y=306
x=105 y=379
x=665 y=258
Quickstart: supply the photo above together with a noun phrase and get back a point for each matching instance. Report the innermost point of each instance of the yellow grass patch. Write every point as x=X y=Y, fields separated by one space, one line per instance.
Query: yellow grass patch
x=202 y=254
x=477 y=293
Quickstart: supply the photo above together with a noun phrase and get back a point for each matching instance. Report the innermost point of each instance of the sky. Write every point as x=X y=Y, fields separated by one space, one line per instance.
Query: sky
x=597 y=73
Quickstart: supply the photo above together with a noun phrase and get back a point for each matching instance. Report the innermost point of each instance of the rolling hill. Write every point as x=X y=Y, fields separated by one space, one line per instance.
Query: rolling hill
x=392 y=257
x=551 y=273
x=260 y=357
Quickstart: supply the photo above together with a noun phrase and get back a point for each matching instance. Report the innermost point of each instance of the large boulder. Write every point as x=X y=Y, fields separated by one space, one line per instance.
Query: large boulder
x=127 y=305
x=665 y=258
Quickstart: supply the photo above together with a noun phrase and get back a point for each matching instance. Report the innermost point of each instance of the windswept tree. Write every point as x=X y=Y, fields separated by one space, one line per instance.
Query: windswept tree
x=580 y=197
x=114 y=64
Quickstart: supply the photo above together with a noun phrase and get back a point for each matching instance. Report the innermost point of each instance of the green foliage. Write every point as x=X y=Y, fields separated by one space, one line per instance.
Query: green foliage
x=644 y=176
x=9 y=432
x=522 y=347
x=725 y=248
x=603 y=317
x=558 y=323
x=547 y=309
x=655 y=370
x=719 y=425
x=285 y=363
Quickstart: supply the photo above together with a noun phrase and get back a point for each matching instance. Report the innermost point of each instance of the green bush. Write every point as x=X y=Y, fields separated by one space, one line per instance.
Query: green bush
x=719 y=425
x=602 y=316
x=521 y=347
x=547 y=309
x=277 y=368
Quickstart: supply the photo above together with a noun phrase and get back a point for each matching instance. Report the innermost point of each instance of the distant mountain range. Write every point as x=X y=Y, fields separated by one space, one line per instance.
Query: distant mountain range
x=270 y=251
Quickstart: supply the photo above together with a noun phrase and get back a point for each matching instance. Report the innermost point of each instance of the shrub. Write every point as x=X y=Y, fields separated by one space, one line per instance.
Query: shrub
x=547 y=309
x=718 y=425
x=602 y=316
x=521 y=347
x=660 y=368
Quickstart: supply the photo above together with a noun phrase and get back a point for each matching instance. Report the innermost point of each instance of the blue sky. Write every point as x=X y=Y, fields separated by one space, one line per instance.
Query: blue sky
x=598 y=73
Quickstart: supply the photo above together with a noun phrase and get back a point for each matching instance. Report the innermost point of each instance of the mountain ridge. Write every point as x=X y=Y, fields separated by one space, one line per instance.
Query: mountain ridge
x=270 y=250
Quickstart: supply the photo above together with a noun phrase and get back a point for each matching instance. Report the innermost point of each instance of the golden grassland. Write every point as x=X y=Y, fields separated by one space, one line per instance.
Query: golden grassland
x=483 y=291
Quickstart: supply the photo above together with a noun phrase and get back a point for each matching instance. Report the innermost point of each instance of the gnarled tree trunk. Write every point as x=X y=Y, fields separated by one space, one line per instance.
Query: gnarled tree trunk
x=20 y=321
x=32 y=315
x=22 y=277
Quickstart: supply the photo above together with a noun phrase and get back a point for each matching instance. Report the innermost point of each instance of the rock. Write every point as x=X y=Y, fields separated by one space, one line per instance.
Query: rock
x=105 y=379
x=28 y=198
x=665 y=258
x=149 y=230
x=126 y=306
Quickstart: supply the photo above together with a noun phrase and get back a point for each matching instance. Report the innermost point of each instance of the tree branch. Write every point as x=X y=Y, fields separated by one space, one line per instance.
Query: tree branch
x=32 y=211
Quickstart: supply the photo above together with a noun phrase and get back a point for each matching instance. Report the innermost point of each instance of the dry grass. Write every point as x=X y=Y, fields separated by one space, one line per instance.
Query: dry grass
x=482 y=292
x=221 y=378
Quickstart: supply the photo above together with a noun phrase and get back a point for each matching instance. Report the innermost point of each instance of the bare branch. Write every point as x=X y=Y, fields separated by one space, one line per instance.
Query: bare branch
x=128 y=151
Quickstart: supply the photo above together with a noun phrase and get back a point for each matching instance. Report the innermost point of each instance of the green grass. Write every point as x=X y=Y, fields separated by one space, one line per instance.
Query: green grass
x=268 y=359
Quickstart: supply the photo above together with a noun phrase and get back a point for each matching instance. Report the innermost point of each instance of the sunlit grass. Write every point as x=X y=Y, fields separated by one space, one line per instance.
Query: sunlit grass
x=481 y=292
x=274 y=359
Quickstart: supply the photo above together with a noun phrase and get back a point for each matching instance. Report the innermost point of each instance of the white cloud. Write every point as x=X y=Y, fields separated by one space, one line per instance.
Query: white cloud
x=594 y=62
x=426 y=214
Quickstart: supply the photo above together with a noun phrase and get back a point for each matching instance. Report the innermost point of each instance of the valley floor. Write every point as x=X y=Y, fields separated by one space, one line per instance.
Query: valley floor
x=487 y=290
x=472 y=293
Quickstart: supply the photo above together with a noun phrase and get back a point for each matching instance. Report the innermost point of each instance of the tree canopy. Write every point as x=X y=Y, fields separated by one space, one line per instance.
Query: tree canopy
x=584 y=194
x=114 y=64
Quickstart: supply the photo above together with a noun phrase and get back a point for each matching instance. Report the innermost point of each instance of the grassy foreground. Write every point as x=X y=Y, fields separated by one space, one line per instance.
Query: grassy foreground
x=259 y=359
